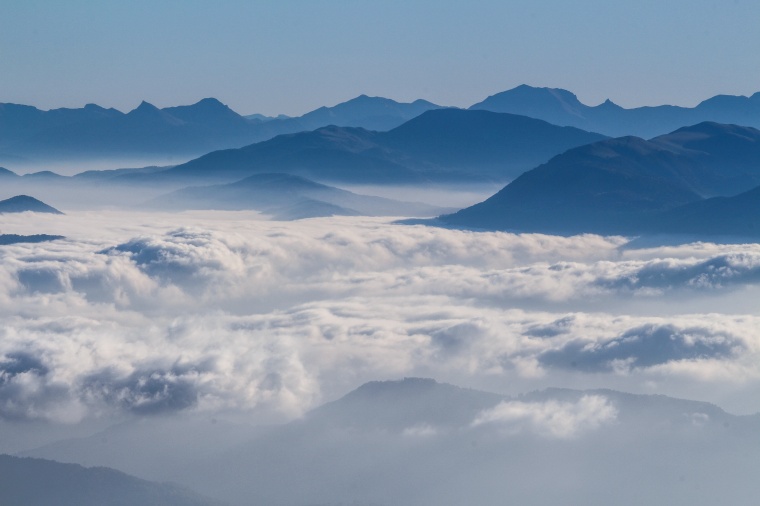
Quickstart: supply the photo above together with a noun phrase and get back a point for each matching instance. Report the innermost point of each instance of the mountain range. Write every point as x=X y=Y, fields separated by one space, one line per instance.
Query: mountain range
x=29 y=136
x=32 y=137
x=562 y=107
x=442 y=145
x=685 y=181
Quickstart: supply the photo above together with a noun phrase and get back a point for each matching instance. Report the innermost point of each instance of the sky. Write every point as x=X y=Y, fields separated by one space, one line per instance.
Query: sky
x=289 y=57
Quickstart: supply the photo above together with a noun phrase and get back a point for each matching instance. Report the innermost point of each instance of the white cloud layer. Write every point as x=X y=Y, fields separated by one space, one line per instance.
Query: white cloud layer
x=225 y=312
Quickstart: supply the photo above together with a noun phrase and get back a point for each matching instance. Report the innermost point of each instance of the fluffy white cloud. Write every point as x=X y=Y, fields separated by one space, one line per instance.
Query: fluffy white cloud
x=222 y=311
x=553 y=419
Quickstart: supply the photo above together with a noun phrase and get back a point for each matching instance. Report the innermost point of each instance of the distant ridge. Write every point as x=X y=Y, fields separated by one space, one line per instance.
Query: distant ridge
x=28 y=134
x=562 y=107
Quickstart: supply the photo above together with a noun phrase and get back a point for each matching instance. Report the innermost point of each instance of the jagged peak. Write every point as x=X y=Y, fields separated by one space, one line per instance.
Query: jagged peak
x=608 y=104
x=144 y=107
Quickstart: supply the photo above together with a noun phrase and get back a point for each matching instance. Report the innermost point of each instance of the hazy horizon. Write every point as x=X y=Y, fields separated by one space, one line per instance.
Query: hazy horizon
x=273 y=58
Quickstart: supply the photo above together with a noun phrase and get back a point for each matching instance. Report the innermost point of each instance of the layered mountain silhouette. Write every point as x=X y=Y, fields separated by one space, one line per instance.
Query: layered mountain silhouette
x=438 y=145
x=630 y=186
x=24 y=203
x=46 y=176
x=38 y=482
x=417 y=441
x=562 y=107
x=28 y=134
x=288 y=197
x=371 y=113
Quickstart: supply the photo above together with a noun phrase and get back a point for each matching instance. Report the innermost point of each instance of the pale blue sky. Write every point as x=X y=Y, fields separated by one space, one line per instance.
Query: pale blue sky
x=292 y=56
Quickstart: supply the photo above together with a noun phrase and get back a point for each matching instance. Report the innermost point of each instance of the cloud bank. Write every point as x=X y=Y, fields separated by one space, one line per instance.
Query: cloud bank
x=225 y=312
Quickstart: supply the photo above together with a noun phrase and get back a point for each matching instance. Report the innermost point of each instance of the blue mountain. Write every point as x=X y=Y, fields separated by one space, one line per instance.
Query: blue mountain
x=629 y=185
x=562 y=107
x=438 y=145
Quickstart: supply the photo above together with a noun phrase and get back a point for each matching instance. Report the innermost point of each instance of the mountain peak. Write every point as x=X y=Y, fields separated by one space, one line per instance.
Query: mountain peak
x=406 y=385
x=210 y=103
x=609 y=104
x=554 y=105
x=405 y=403
x=94 y=107
x=207 y=111
x=144 y=108
x=22 y=203
x=713 y=128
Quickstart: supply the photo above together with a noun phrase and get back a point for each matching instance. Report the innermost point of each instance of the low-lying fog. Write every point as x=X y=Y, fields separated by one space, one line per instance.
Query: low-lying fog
x=226 y=315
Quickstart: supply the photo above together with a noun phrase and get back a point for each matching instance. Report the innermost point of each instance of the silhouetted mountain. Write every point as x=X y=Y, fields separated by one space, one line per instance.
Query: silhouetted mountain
x=438 y=145
x=7 y=174
x=206 y=112
x=737 y=216
x=44 y=174
x=27 y=133
x=22 y=203
x=18 y=122
x=37 y=482
x=263 y=119
x=480 y=142
x=557 y=106
x=326 y=154
x=105 y=175
x=561 y=107
x=288 y=197
x=623 y=185
x=372 y=113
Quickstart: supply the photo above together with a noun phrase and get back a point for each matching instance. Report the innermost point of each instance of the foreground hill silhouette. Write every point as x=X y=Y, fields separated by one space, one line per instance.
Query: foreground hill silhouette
x=562 y=107
x=38 y=482
x=625 y=185
x=438 y=145
x=416 y=441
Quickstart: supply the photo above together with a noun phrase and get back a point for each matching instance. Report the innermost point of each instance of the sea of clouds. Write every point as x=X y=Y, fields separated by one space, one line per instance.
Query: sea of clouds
x=228 y=313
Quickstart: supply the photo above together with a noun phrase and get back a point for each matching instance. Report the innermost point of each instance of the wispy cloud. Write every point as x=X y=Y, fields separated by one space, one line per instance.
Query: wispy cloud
x=553 y=419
